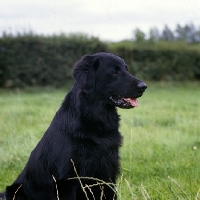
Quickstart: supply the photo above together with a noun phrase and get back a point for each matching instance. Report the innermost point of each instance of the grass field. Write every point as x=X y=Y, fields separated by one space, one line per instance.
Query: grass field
x=160 y=156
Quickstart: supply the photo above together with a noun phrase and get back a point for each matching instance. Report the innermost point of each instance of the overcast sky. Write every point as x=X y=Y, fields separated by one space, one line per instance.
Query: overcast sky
x=107 y=19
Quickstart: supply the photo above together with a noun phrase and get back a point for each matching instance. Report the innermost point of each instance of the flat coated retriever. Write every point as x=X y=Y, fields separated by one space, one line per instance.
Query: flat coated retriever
x=78 y=156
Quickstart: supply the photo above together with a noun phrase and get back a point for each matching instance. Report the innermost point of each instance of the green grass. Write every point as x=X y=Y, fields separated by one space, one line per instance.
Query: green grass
x=160 y=156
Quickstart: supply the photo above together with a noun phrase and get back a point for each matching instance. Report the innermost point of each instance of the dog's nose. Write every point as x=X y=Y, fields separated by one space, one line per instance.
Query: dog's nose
x=142 y=85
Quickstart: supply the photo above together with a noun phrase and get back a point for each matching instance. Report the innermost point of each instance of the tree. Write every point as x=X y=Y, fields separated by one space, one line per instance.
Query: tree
x=188 y=33
x=154 y=35
x=167 y=34
x=192 y=33
x=139 y=36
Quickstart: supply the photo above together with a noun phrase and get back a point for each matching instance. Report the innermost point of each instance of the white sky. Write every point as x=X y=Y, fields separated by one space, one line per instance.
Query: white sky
x=107 y=19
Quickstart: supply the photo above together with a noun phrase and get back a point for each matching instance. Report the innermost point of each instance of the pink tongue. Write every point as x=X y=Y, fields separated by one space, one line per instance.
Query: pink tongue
x=133 y=102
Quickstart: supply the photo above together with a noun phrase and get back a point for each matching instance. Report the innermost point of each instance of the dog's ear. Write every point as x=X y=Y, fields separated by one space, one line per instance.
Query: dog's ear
x=84 y=73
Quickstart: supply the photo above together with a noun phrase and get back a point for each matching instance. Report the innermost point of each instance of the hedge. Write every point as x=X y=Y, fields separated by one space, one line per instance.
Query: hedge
x=39 y=61
x=32 y=60
x=166 y=65
x=152 y=63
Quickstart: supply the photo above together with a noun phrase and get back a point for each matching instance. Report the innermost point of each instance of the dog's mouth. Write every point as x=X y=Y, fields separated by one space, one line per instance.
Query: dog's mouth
x=122 y=102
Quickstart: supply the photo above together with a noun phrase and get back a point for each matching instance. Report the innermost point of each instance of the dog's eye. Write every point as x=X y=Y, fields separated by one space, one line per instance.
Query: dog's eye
x=115 y=71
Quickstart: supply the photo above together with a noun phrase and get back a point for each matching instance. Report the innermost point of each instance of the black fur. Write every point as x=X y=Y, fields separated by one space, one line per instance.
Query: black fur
x=83 y=138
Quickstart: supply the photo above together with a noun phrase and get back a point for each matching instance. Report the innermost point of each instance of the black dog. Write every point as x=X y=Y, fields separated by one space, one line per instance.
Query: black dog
x=78 y=156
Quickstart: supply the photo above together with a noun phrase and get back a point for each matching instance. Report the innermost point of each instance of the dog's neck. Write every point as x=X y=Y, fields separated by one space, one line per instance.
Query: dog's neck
x=93 y=113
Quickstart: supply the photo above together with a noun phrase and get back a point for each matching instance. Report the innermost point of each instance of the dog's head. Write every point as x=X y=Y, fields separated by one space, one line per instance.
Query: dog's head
x=107 y=76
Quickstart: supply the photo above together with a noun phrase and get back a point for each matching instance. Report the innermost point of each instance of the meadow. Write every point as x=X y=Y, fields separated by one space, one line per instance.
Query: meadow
x=160 y=156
